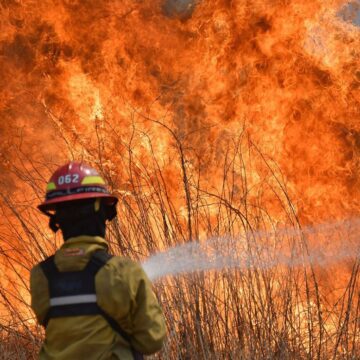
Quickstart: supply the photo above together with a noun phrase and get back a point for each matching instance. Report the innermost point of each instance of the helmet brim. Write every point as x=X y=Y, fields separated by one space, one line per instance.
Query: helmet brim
x=49 y=205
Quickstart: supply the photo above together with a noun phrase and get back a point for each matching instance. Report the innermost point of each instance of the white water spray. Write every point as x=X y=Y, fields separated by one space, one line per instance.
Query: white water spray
x=320 y=245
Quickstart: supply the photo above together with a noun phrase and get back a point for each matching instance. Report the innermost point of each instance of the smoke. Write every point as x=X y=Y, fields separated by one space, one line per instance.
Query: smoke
x=351 y=13
x=252 y=251
x=179 y=8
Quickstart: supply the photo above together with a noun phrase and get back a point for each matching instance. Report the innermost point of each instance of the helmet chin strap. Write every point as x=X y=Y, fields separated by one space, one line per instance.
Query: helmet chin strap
x=53 y=223
x=110 y=212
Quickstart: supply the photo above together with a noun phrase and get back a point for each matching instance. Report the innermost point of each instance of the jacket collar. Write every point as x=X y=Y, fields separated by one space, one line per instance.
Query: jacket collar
x=85 y=241
x=75 y=253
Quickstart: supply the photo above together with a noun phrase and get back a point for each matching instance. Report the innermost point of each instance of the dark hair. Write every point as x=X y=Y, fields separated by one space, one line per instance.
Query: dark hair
x=82 y=217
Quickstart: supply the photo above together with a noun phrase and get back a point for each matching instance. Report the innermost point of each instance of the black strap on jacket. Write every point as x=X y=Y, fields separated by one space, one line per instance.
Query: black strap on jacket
x=73 y=293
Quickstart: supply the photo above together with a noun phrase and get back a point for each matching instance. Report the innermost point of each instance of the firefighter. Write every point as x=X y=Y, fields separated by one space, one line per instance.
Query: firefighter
x=92 y=305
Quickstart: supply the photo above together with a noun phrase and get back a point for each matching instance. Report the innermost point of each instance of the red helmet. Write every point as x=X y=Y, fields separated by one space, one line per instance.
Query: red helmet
x=75 y=181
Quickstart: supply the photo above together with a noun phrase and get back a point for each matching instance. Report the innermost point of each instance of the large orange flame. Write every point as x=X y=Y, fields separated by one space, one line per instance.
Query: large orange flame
x=107 y=80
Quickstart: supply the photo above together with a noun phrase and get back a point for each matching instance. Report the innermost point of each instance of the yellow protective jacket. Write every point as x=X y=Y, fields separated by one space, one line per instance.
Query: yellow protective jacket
x=123 y=291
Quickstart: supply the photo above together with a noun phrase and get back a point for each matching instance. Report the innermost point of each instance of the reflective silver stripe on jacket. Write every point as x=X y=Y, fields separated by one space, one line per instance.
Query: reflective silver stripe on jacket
x=72 y=300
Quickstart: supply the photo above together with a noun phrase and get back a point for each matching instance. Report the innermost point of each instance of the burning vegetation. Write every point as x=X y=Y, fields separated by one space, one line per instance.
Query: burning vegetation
x=208 y=119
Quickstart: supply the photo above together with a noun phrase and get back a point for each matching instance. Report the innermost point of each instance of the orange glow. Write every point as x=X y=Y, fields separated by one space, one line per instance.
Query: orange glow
x=130 y=86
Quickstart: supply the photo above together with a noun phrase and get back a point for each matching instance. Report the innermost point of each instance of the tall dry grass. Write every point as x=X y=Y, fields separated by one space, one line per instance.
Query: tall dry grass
x=280 y=312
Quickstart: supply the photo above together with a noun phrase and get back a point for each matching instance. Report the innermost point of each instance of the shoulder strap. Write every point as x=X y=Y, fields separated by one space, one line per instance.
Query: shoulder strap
x=48 y=266
x=102 y=257
x=117 y=328
x=97 y=261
